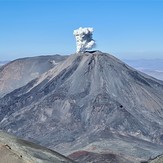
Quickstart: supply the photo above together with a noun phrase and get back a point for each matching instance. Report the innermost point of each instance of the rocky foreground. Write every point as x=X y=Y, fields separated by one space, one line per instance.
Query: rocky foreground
x=14 y=150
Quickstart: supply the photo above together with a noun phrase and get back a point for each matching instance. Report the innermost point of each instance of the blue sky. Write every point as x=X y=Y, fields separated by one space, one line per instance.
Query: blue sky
x=127 y=29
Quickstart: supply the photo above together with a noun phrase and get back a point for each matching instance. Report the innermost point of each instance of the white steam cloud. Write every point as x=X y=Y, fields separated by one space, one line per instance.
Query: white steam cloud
x=84 y=39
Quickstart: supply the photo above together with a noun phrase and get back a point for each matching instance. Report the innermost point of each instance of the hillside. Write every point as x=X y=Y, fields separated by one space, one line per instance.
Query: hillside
x=19 y=72
x=14 y=150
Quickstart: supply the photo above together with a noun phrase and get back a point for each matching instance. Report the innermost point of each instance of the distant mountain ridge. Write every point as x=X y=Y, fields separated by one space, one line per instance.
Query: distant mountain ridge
x=152 y=67
x=19 y=72
x=150 y=64
x=3 y=63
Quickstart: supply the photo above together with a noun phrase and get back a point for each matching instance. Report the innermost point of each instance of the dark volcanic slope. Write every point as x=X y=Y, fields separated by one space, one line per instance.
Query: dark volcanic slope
x=19 y=72
x=14 y=150
x=89 y=100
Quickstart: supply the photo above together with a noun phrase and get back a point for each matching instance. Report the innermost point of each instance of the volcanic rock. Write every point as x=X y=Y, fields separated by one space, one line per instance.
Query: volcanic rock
x=89 y=100
x=19 y=72
x=85 y=156
x=14 y=150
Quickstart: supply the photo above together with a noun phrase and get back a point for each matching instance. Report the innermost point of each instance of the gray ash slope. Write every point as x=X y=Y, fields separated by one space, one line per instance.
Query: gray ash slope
x=15 y=150
x=89 y=100
x=19 y=72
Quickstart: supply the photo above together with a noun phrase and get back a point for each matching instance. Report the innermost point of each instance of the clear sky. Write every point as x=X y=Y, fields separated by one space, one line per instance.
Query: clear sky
x=126 y=29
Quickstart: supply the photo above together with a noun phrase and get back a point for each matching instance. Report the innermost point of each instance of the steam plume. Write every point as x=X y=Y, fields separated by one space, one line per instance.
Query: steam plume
x=84 y=39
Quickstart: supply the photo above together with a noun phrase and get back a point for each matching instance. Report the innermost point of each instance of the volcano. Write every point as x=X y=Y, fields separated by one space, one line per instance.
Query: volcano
x=93 y=102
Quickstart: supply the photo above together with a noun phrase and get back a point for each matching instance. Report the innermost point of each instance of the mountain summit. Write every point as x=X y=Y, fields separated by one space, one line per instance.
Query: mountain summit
x=90 y=101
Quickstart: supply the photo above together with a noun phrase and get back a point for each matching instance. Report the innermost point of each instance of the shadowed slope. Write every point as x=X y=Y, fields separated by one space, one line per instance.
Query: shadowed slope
x=19 y=72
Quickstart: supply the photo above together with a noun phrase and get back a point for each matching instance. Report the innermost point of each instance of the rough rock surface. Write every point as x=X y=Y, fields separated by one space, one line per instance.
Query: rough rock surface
x=157 y=159
x=19 y=72
x=85 y=156
x=14 y=150
x=89 y=100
